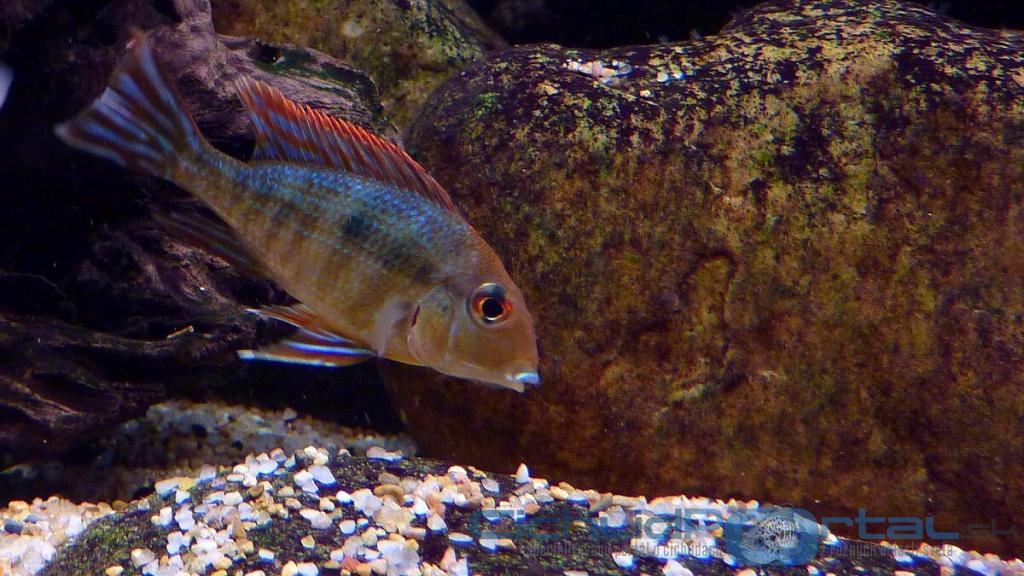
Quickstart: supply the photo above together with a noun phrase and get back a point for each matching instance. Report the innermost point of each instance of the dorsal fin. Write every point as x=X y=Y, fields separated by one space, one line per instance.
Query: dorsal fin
x=286 y=130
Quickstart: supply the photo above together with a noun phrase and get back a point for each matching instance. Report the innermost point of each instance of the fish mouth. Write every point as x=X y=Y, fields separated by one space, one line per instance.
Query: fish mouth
x=522 y=380
x=518 y=378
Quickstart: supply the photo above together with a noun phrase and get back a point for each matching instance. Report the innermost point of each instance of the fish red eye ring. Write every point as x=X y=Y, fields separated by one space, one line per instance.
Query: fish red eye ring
x=489 y=305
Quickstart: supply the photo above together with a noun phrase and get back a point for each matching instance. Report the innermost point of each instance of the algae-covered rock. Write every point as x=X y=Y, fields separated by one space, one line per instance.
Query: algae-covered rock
x=408 y=47
x=316 y=513
x=785 y=261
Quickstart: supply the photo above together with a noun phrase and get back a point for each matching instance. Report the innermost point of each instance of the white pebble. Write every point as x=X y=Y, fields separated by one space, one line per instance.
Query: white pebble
x=415 y=532
x=491 y=485
x=347 y=527
x=458 y=474
x=460 y=538
x=522 y=474
x=579 y=497
x=623 y=559
x=614 y=517
x=180 y=497
x=165 y=487
x=165 y=517
x=233 y=499
x=674 y=568
x=185 y=519
x=207 y=473
x=323 y=475
x=304 y=477
x=142 y=556
x=378 y=453
x=175 y=542
x=461 y=568
x=436 y=523
x=317 y=519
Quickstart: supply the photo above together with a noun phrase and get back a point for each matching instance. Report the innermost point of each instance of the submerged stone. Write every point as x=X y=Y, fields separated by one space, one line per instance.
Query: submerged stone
x=779 y=262
x=408 y=48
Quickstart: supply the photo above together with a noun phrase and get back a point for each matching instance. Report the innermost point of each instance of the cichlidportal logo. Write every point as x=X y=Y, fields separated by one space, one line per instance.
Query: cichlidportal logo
x=772 y=535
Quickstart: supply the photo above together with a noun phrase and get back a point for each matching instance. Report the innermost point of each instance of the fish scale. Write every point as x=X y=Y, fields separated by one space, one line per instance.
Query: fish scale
x=345 y=221
x=296 y=219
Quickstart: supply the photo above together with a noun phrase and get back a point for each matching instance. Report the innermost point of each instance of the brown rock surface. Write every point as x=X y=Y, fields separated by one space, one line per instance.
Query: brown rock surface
x=408 y=48
x=785 y=262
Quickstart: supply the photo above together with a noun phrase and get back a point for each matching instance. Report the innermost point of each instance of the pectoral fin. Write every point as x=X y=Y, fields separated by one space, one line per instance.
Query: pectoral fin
x=214 y=236
x=311 y=345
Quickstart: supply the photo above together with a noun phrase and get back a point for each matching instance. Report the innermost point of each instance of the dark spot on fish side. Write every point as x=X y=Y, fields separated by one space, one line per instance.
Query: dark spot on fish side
x=356 y=226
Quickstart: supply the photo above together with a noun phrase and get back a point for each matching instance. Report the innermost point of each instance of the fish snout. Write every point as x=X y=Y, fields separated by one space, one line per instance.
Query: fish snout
x=524 y=380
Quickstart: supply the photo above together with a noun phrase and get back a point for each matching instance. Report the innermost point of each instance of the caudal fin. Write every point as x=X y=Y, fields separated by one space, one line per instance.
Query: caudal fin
x=140 y=121
x=5 y=83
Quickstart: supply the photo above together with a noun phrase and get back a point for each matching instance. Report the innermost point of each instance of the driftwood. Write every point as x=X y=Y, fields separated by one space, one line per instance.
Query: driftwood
x=101 y=312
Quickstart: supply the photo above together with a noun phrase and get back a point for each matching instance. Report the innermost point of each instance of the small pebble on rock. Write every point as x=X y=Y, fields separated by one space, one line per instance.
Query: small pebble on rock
x=142 y=556
x=522 y=474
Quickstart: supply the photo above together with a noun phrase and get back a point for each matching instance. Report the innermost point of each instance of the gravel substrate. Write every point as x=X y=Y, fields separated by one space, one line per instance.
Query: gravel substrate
x=177 y=438
x=321 y=511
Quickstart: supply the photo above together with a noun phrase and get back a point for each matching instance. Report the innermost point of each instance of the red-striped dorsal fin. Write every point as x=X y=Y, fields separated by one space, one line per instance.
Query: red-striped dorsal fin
x=286 y=130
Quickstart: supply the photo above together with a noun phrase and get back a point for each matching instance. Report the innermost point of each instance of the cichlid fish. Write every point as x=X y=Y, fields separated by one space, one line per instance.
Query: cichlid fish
x=345 y=221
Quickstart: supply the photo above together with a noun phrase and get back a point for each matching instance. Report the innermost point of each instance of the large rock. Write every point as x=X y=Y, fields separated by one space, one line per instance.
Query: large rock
x=408 y=47
x=784 y=261
x=101 y=313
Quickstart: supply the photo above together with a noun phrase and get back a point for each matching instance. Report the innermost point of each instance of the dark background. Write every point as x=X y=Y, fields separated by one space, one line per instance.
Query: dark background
x=606 y=23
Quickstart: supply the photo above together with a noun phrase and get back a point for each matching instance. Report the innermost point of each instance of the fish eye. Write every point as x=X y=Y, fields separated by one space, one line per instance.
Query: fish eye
x=488 y=305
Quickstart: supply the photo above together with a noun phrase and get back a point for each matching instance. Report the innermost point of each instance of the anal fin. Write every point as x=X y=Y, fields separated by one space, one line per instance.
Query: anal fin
x=312 y=345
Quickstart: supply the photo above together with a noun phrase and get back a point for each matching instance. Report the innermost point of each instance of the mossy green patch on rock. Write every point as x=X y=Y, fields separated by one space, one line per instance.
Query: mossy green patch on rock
x=782 y=262
x=346 y=84
x=408 y=47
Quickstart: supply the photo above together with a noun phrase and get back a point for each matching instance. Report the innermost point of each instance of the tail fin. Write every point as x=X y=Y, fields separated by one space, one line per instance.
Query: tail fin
x=5 y=82
x=140 y=121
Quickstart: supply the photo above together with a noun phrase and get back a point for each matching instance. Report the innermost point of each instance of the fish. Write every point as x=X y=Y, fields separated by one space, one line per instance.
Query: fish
x=6 y=76
x=373 y=248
